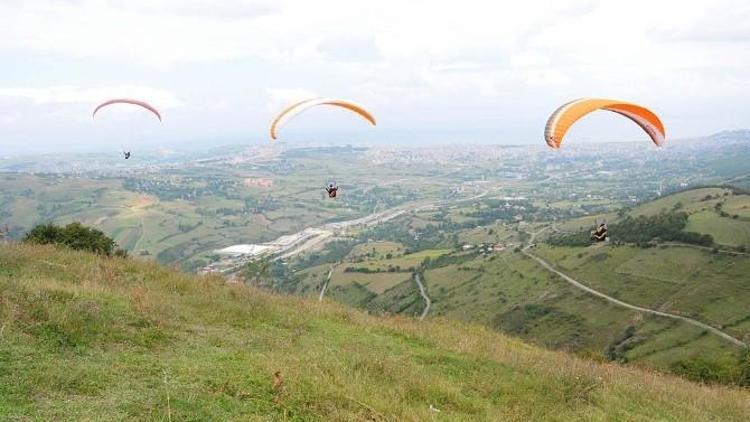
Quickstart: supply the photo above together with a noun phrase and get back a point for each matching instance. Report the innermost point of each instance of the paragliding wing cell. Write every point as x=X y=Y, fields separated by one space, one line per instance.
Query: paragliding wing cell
x=295 y=109
x=565 y=116
x=140 y=103
x=647 y=120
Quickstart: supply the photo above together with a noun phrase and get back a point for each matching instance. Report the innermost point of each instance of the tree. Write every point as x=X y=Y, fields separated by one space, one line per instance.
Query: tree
x=75 y=236
x=258 y=271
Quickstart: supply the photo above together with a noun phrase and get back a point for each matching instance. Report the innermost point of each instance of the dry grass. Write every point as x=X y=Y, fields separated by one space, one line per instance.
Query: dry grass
x=90 y=338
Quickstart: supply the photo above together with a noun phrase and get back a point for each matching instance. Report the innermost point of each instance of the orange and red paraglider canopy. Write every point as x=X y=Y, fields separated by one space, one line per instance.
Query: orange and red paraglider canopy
x=297 y=108
x=132 y=101
x=565 y=116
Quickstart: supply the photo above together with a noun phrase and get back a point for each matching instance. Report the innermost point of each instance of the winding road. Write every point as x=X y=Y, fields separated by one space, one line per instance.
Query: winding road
x=427 y=300
x=608 y=298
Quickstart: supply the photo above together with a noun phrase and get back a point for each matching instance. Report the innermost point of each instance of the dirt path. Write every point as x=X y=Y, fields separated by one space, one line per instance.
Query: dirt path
x=427 y=300
x=325 y=285
x=705 y=248
x=585 y=288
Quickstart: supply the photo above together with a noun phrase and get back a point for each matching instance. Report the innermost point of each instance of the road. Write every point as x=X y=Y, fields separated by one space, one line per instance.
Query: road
x=427 y=300
x=325 y=285
x=326 y=232
x=608 y=298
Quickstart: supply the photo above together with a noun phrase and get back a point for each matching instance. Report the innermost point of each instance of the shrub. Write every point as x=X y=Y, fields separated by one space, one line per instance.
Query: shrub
x=75 y=236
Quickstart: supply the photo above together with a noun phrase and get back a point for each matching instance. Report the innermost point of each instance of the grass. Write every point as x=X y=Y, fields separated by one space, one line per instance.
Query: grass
x=167 y=228
x=691 y=200
x=584 y=223
x=91 y=338
x=725 y=231
x=692 y=282
x=738 y=205
x=492 y=291
x=376 y=283
x=488 y=234
x=376 y=250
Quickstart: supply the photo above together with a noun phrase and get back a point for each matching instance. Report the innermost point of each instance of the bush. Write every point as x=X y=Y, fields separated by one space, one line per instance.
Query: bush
x=75 y=236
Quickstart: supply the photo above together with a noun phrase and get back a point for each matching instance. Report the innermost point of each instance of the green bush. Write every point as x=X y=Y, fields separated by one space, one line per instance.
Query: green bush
x=75 y=236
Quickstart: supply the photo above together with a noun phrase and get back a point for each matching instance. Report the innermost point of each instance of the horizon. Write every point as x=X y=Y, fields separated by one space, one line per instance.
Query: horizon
x=207 y=146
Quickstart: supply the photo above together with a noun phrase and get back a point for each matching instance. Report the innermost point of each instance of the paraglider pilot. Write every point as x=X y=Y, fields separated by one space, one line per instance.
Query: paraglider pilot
x=600 y=234
x=126 y=154
x=331 y=190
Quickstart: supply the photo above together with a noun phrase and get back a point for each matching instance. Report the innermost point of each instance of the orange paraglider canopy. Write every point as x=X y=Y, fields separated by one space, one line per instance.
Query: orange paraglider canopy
x=297 y=108
x=565 y=116
x=140 y=103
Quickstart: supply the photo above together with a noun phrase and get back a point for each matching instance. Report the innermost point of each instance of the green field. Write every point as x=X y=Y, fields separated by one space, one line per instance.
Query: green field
x=725 y=231
x=375 y=250
x=510 y=293
x=738 y=205
x=376 y=283
x=689 y=201
x=692 y=282
x=179 y=215
x=182 y=212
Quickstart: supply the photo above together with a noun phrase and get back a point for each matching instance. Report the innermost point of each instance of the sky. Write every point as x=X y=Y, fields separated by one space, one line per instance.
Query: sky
x=432 y=72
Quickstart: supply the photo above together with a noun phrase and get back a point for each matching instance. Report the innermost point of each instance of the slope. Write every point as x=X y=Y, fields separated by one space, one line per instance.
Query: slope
x=86 y=338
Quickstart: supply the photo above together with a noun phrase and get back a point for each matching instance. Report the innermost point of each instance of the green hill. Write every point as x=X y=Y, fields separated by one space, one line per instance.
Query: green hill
x=84 y=337
x=511 y=293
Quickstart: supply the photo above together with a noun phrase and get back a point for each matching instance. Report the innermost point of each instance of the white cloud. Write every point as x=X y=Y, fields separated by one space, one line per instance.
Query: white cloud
x=421 y=63
x=74 y=94
x=281 y=97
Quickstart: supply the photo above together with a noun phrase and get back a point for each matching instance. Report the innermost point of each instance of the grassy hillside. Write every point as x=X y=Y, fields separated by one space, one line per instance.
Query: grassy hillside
x=90 y=338
x=707 y=284
x=511 y=293
x=720 y=212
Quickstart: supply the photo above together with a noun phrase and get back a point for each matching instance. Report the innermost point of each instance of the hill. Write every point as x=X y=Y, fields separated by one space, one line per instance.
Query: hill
x=85 y=337
x=506 y=290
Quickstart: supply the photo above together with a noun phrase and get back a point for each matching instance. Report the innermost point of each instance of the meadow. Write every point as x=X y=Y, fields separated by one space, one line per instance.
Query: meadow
x=87 y=337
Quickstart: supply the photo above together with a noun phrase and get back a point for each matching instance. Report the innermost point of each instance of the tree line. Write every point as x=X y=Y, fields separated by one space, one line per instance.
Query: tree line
x=642 y=230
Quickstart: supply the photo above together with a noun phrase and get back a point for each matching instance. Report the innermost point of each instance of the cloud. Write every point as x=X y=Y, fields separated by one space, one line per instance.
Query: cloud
x=74 y=94
x=224 y=10
x=424 y=65
x=719 y=22
x=282 y=97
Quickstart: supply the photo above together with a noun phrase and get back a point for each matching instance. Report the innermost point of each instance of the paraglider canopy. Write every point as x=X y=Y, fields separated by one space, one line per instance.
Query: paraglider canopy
x=565 y=116
x=132 y=101
x=295 y=109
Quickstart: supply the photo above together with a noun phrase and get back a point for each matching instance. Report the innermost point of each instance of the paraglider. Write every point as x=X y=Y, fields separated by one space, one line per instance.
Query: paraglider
x=331 y=189
x=295 y=109
x=600 y=234
x=135 y=102
x=139 y=103
x=565 y=116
